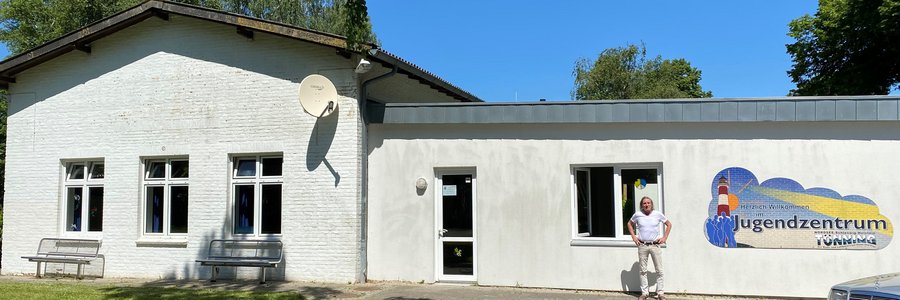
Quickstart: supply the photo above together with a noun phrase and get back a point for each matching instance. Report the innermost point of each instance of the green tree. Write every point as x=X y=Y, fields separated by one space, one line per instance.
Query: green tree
x=626 y=73
x=850 y=47
x=25 y=24
x=29 y=23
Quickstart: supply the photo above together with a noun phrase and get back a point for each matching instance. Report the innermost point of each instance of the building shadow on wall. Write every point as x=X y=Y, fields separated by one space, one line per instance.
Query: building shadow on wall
x=193 y=269
x=631 y=279
x=320 y=141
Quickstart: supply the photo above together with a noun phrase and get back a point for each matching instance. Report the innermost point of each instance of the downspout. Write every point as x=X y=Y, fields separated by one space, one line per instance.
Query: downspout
x=363 y=90
x=364 y=192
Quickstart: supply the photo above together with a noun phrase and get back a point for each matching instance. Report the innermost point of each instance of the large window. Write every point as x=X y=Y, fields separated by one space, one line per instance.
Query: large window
x=165 y=200
x=83 y=194
x=607 y=196
x=256 y=189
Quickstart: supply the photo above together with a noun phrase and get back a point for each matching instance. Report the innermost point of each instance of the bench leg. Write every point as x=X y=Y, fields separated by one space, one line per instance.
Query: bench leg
x=78 y=273
x=262 y=275
x=215 y=273
x=38 y=272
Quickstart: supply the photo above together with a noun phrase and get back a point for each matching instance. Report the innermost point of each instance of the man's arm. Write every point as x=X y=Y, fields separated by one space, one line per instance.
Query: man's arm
x=631 y=231
x=666 y=235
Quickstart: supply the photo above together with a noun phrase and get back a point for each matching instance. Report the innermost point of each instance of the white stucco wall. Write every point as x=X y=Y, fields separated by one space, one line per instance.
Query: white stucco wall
x=190 y=88
x=524 y=200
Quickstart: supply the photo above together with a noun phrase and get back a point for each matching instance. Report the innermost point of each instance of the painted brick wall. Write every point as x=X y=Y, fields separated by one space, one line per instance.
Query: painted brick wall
x=190 y=88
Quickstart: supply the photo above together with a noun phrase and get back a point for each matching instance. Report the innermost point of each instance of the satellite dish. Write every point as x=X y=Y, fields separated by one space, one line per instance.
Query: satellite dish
x=318 y=96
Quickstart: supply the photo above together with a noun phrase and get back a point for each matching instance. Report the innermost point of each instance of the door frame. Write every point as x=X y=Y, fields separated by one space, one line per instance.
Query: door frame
x=438 y=222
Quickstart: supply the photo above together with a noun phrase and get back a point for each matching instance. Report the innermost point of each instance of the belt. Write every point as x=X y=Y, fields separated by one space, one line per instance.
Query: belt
x=650 y=243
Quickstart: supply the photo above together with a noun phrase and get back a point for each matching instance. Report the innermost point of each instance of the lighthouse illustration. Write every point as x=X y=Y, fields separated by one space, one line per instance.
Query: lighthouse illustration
x=723 y=207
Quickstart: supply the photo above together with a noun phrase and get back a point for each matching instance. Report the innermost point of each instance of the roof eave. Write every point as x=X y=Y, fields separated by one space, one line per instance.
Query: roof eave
x=416 y=72
x=81 y=38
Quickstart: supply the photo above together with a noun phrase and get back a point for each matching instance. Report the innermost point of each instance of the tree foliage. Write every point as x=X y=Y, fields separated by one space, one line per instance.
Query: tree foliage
x=29 y=23
x=850 y=47
x=627 y=73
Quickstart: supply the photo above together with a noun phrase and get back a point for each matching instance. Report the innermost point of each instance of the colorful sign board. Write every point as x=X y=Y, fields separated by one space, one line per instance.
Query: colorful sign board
x=781 y=213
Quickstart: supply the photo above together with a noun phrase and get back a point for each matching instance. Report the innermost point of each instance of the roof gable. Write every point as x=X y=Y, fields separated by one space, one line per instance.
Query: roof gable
x=81 y=40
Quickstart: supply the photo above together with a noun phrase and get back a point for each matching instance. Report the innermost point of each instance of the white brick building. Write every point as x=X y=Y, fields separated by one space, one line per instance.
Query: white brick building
x=168 y=125
x=179 y=91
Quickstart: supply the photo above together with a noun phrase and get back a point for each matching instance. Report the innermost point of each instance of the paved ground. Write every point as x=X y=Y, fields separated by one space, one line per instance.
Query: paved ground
x=379 y=290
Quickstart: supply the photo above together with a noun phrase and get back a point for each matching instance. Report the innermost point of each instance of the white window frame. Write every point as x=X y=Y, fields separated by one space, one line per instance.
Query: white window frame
x=166 y=182
x=257 y=181
x=621 y=239
x=87 y=182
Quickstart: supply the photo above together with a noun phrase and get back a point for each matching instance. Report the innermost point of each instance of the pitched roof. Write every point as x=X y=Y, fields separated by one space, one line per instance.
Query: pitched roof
x=81 y=39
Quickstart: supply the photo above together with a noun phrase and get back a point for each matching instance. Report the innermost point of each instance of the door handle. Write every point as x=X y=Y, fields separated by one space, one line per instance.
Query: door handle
x=441 y=232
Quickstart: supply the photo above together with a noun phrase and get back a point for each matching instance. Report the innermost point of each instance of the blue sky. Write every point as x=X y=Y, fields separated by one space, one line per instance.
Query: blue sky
x=503 y=50
x=508 y=50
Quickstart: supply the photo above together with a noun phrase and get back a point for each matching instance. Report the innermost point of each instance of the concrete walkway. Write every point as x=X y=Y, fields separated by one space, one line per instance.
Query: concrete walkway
x=376 y=290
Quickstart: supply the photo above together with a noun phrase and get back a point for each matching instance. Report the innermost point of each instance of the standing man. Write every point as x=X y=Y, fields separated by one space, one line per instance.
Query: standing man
x=648 y=241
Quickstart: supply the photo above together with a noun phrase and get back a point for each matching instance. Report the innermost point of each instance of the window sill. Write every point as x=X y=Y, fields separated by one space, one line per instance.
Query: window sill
x=604 y=243
x=167 y=242
x=93 y=235
x=255 y=237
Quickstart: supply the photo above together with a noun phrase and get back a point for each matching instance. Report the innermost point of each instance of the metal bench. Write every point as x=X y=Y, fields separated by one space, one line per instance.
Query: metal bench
x=69 y=251
x=242 y=253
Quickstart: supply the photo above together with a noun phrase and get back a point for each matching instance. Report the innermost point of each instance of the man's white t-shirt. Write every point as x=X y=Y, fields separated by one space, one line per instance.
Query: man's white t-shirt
x=648 y=226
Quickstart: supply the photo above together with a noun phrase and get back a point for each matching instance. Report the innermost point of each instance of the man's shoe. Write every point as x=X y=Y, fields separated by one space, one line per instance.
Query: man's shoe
x=661 y=296
x=644 y=297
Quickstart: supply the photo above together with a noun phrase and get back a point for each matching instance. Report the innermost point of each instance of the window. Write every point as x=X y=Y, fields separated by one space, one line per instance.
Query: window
x=607 y=196
x=83 y=194
x=165 y=200
x=256 y=189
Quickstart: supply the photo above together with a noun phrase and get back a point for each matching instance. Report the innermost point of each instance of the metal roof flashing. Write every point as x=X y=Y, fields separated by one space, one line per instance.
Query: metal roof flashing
x=777 y=109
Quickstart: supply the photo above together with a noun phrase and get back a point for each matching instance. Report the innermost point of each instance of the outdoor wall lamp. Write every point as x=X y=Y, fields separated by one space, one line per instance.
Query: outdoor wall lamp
x=421 y=184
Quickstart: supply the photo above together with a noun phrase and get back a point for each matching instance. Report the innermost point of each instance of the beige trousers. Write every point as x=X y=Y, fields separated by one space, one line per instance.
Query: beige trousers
x=656 y=252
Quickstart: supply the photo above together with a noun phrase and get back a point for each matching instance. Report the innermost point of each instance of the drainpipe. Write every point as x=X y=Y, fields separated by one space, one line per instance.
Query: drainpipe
x=364 y=205
x=363 y=91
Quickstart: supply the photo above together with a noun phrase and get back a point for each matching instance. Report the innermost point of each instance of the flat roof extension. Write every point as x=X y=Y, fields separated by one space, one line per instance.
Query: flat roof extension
x=780 y=109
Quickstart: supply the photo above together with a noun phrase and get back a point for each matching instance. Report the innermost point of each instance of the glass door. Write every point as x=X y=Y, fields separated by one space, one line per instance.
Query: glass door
x=456 y=227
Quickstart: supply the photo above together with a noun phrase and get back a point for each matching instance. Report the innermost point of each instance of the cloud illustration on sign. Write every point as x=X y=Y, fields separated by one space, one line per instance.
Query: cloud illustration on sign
x=813 y=217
